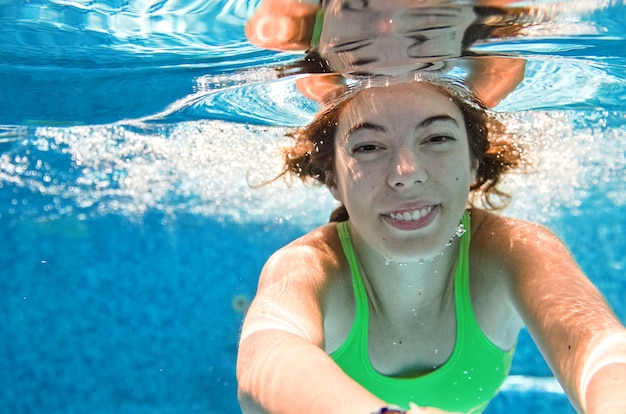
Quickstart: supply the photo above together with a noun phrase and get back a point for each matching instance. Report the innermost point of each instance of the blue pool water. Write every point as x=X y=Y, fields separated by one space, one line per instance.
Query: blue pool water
x=131 y=238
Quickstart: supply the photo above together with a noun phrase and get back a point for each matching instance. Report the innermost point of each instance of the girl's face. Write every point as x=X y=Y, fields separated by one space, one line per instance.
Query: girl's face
x=403 y=170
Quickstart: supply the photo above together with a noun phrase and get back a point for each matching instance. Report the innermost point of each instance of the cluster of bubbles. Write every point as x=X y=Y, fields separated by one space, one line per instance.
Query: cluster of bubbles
x=219 y=169
x=571 y=157
x=207 y=168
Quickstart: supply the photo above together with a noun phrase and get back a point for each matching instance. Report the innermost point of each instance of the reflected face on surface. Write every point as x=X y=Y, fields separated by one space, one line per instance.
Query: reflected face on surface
x=383 y=36
x=402 y=169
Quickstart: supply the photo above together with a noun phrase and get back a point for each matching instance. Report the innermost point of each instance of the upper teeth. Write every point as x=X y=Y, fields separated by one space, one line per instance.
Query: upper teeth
x=411 y=215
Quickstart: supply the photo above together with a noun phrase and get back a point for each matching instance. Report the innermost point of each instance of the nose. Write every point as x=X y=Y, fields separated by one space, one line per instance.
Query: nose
x=406 y=170
x=385 y=23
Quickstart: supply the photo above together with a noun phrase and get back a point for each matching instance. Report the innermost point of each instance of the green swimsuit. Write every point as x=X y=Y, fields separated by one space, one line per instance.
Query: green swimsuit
x=466 y=382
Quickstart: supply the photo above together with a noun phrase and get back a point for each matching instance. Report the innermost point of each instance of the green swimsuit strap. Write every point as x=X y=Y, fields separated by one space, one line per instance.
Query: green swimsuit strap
x=317 y=27
x=360 y=294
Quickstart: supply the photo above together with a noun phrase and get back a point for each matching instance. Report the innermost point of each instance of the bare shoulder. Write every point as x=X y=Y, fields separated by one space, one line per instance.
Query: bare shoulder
x=497 y=225
x=292 y=284
x=523 y=270
x=508 y=239
x=309 y=258
x=525 y=253
x=542 y=275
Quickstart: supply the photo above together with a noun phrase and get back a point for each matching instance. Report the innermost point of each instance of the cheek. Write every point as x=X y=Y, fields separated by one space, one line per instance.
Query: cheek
x=464 y=175
x=344 y=178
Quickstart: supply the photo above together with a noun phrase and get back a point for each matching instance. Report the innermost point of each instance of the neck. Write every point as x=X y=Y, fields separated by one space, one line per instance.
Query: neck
x=420 y=284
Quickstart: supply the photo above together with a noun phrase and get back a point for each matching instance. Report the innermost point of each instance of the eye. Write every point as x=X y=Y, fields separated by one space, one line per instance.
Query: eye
x=355 y=5
x=365 y=148
x=439 y=139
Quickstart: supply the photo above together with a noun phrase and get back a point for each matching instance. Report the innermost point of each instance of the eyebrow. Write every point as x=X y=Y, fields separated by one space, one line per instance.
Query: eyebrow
x=365 y=126
x=379 y=128
x=363 y=61
x=438 y=118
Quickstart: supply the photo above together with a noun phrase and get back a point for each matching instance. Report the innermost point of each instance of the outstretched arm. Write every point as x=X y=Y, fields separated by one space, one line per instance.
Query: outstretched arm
x=282 y=367
x=279 y=372
x=577 y=332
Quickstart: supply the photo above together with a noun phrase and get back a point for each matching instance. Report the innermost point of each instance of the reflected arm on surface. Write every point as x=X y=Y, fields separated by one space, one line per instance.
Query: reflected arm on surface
x=493 y=78
x=283 y=24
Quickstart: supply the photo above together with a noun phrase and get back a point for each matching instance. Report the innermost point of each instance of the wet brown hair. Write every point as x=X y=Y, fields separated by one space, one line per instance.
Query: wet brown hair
x=311 y=157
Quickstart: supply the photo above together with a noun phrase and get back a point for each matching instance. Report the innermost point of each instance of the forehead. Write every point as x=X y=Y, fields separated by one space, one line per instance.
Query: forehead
x=398 y=103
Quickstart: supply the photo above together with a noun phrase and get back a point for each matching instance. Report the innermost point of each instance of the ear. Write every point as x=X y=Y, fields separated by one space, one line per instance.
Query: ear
x=332 y=185
x=474 y=169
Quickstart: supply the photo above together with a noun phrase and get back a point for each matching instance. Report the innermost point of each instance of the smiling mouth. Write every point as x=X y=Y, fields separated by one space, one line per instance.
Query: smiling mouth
x=412 y=215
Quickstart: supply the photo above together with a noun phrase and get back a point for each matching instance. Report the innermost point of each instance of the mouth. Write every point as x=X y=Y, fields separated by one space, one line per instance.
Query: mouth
x=412 y=219
x=412 y=215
